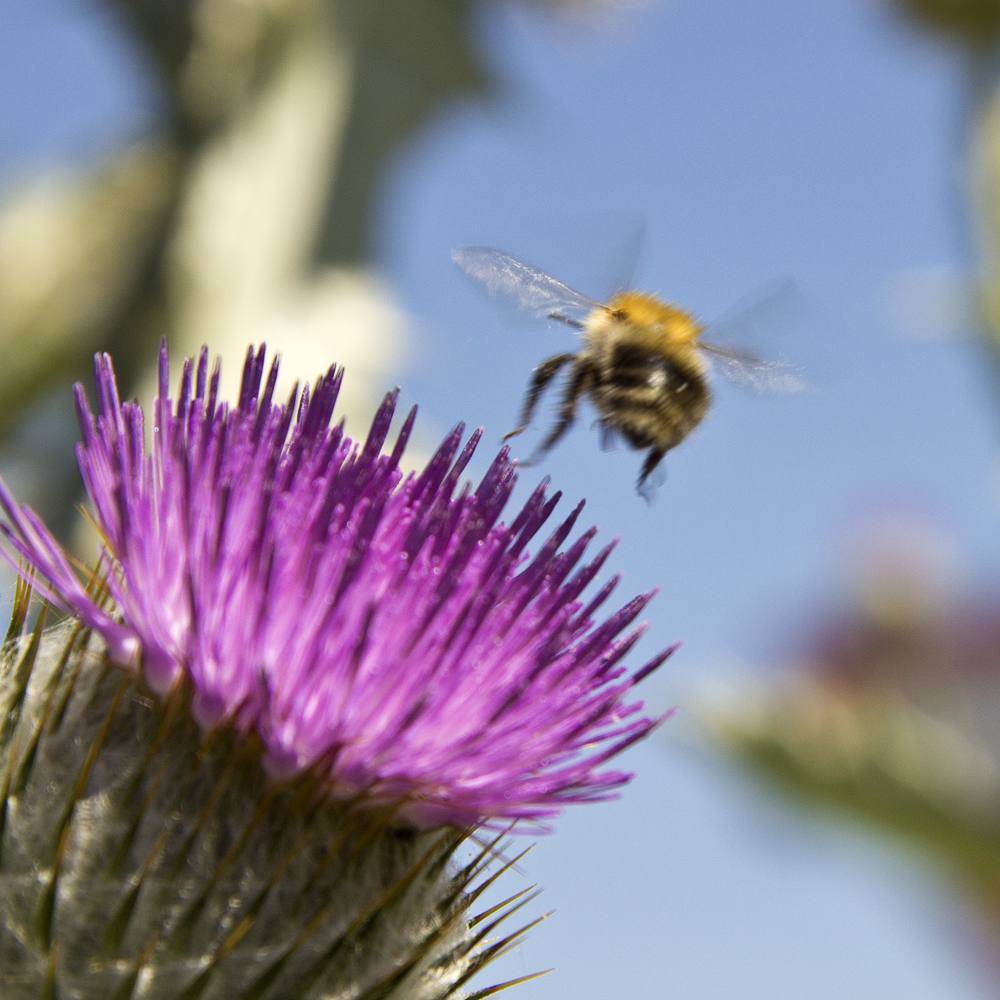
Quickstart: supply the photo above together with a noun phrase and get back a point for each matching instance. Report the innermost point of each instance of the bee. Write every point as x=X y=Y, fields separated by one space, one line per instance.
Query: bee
x=643 y=363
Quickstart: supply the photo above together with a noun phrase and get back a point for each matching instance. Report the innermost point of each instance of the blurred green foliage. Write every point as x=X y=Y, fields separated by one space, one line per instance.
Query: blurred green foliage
x=279 y=117
x=875 y=756
x=975 y=22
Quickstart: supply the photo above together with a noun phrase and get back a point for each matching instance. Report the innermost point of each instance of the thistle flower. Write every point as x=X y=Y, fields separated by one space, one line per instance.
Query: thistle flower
x=308 y=662
x=388 y=633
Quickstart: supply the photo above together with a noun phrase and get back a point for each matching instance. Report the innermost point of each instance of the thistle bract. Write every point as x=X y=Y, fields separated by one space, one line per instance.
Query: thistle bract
x=386 y=632
x=144 y=858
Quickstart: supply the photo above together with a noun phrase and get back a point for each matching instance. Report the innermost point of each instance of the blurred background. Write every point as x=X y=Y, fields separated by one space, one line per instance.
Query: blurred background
x=822 y=816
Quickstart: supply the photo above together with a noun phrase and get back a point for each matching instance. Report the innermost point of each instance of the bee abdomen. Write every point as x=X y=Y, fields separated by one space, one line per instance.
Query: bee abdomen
x=652 y=399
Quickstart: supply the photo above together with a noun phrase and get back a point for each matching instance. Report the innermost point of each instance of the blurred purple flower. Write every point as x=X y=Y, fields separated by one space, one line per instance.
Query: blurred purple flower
x=386 y=630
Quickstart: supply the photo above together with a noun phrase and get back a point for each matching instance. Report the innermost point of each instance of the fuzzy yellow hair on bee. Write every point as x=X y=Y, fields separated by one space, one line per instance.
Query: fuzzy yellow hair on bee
x=662 y=323
x=643 y=363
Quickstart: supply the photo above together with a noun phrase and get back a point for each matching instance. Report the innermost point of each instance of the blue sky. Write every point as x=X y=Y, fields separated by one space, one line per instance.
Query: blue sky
x=758 y=141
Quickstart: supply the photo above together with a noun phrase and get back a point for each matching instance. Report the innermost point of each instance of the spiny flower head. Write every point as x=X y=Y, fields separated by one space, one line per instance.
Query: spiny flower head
x=387 y=631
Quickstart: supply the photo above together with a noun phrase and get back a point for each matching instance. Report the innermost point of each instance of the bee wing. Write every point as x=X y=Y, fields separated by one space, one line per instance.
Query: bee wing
x=775 y=341
x=512 y=283
x=745 y=369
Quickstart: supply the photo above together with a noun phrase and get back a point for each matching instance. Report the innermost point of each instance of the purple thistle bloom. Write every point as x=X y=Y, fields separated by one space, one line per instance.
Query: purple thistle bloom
x=387 y=630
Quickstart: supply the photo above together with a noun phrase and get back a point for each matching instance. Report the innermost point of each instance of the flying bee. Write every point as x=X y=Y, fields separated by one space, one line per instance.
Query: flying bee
x=643 y=363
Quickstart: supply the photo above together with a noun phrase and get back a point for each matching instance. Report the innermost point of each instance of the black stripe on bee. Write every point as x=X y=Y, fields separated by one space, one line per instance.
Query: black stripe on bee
x=634 y=367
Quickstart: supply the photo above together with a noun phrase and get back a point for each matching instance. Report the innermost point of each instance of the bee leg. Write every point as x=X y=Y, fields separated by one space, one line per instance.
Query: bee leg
x=610 y=435
x=651 y=478
x=540 y=380
x=568 y=320
x=577 y=383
